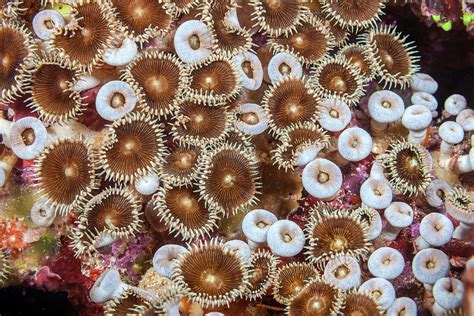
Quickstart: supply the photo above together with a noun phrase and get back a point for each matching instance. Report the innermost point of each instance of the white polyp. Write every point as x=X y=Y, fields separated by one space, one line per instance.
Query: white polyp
x=305 y=156
x=85 y=82
x=417 y=136
x=465 y=163
x=428 y=159
x=354 y=144
x=430 y=265
x=105 y=238
x=386 y=262
x=252 y=129
x=423 y=82
x=469 y=264
x=17 y=140
x=384 y=289
x=448 y=294
x=451 y=134
x=104 y=101
x=249 y=82
x=3 y=177
x=322 y=178
x=376 y=172
x=255 y=245
x=122 y=55
x=384 y=107
x=71 y=127
x=437 y=310
x=398 y=215
x=390 y=232
x=41 y=214
x=376 y=193
x=421 y=244
x=375 y=225
x=285 y=238
x=471 y=157
x=45 y=22
x=436 y=189
x=6 y=166
x=164 y=259
x=463 y=216
x=182 y=46
x=171 y=308
x=240 y=247
x=5 y=127
x=465 y=118
x=147 y=184
x=454 y=104
x=334 y=115
x=284 y=62
x=425 y=99
x=416 y=119
x=403 y=306
x=462 y=232
x=108 y=286
x=343 y=281
x=256 y=224
x=435 y=230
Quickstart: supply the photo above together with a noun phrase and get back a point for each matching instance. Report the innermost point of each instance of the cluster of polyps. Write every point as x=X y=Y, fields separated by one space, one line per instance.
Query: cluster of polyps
x=198 y=110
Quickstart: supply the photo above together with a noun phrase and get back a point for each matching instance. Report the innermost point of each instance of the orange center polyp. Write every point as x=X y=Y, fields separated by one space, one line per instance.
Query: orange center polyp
x=138 y=12
x=209 y=82
x=212 y=281
x=185 y=161
x=293 y=111
x=299 y=41
x=129 y=147
x=187 y=203
x=228 y=180
x=273 y=4
x=387 y=59
x=6 y=61
x=315 y=305
x=87 y=34
x=71 y=171
x=338 y=84
x=157 y=84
